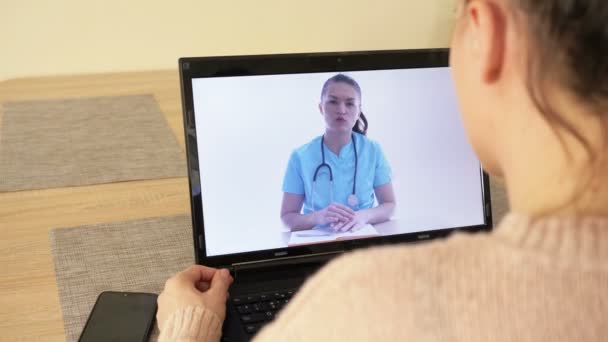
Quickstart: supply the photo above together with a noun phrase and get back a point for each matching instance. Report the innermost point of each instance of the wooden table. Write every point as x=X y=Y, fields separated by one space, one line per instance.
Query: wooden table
x=29 y=301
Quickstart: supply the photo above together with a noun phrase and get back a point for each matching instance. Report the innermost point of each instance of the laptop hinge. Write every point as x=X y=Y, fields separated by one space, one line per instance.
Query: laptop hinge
x=295 y=260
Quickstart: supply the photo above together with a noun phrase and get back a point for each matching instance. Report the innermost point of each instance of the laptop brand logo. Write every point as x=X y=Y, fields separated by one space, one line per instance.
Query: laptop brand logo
x=280 y=253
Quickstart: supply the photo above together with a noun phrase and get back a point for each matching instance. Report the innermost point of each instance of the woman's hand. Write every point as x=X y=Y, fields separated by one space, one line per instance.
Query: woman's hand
x=334 y=213
x=197 y=285
x=359 y=220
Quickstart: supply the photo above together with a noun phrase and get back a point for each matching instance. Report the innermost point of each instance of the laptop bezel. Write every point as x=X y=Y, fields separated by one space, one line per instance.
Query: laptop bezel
x=249 y=65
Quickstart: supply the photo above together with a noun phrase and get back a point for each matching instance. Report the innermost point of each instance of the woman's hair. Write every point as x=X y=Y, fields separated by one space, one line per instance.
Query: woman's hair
x=361 y=124
x=568 y=41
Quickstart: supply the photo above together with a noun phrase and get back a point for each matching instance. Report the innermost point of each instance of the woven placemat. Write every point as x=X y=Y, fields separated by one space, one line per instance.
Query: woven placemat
x=500 y=203
x=72 y=142
x=136 y=256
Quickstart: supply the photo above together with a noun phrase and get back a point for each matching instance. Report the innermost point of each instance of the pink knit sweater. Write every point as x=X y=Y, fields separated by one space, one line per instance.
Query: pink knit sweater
x=545 y=280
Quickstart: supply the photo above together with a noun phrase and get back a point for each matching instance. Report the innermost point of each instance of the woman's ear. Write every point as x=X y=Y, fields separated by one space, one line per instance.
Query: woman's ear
x=321 y=108
x=487 y=30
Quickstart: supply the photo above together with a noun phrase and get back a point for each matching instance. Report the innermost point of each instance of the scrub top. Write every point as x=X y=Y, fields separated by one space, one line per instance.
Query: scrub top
x=373 y=170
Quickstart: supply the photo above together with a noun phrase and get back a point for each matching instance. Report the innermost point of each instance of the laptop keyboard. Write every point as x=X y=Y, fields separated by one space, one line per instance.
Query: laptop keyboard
x=255 y=310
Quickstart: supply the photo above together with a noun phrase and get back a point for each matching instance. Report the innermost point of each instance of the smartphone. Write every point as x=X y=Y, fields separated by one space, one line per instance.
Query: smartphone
x=120 y=316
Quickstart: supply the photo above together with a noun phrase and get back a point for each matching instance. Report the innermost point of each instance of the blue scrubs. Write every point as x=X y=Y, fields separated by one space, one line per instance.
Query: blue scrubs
x=373 y=170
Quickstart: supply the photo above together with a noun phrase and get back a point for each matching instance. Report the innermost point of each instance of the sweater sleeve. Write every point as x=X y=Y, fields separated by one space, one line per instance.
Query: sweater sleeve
x=192 y=323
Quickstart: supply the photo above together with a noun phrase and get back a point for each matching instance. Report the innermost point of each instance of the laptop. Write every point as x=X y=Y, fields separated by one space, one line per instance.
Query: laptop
x=244 y=116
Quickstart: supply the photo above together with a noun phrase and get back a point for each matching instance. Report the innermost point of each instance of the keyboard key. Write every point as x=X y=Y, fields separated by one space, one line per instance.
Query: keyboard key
x=257 y=309
x=273 y=305
x=252 y=299
x=263 y=306
x=252 y=328
x=254 y=318
x=244 y=309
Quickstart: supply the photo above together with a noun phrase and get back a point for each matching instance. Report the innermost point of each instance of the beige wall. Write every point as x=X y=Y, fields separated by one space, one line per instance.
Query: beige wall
x=47 y=37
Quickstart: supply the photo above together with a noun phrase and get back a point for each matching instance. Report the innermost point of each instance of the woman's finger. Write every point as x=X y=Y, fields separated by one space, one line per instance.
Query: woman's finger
x=342 y=212
x=203 y=286
x=345 y=208
x=339 y=226
x=344 y=219
x=348 y=226
x=197 y=273
x=331 y=218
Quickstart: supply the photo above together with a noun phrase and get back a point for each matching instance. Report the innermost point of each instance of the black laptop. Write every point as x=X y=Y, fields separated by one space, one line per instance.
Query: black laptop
x=244 y=116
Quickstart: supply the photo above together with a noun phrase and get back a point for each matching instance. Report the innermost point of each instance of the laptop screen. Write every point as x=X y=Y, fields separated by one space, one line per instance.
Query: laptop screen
x=258 y=140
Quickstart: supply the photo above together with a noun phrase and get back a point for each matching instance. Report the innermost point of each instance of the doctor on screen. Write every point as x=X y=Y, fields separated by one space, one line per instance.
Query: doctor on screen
x=334 y=180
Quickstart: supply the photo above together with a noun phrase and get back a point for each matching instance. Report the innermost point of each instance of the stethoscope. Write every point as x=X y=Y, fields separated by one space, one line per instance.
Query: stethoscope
x=352 y=200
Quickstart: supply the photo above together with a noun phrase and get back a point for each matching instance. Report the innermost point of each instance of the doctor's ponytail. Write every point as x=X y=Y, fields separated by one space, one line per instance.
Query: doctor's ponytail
x=361 y=125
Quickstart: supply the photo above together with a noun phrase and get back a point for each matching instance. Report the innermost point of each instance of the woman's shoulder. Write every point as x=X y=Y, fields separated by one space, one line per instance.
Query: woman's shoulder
x=365 y=285
x=307 y=147
x=365 y=141
x=416 y=258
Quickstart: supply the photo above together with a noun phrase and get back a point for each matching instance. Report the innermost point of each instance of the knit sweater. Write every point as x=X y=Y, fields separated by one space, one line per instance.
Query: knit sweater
x=528 y=280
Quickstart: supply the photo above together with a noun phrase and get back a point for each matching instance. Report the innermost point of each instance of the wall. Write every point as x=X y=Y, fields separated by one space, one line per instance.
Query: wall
x=75 y=36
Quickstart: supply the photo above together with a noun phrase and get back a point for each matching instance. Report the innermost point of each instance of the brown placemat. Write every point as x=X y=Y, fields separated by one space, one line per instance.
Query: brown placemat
x=137 y=256
x=73 y=142
x=500 y=203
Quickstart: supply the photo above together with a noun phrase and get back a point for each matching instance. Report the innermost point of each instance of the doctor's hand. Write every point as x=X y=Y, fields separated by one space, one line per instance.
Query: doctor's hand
x=359 y=220
x=334 y=213
x=196 y=286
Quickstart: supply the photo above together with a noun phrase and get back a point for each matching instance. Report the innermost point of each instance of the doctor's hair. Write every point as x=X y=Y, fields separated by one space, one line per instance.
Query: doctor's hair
x=361 y=124
x=568 y=43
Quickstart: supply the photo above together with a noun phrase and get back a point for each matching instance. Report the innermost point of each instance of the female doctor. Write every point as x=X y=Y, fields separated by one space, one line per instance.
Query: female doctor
x=334 y=179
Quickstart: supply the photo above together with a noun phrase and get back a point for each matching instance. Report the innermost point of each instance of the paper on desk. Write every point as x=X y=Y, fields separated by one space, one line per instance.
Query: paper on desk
x=321 y=235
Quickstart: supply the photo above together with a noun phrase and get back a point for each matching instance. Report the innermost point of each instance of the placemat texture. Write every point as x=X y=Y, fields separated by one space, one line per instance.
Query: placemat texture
x=500 y=202
x=136 y=256
x=72 y=142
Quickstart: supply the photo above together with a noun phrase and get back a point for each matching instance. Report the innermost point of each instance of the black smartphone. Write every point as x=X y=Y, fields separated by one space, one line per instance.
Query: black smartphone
x=120 y=316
